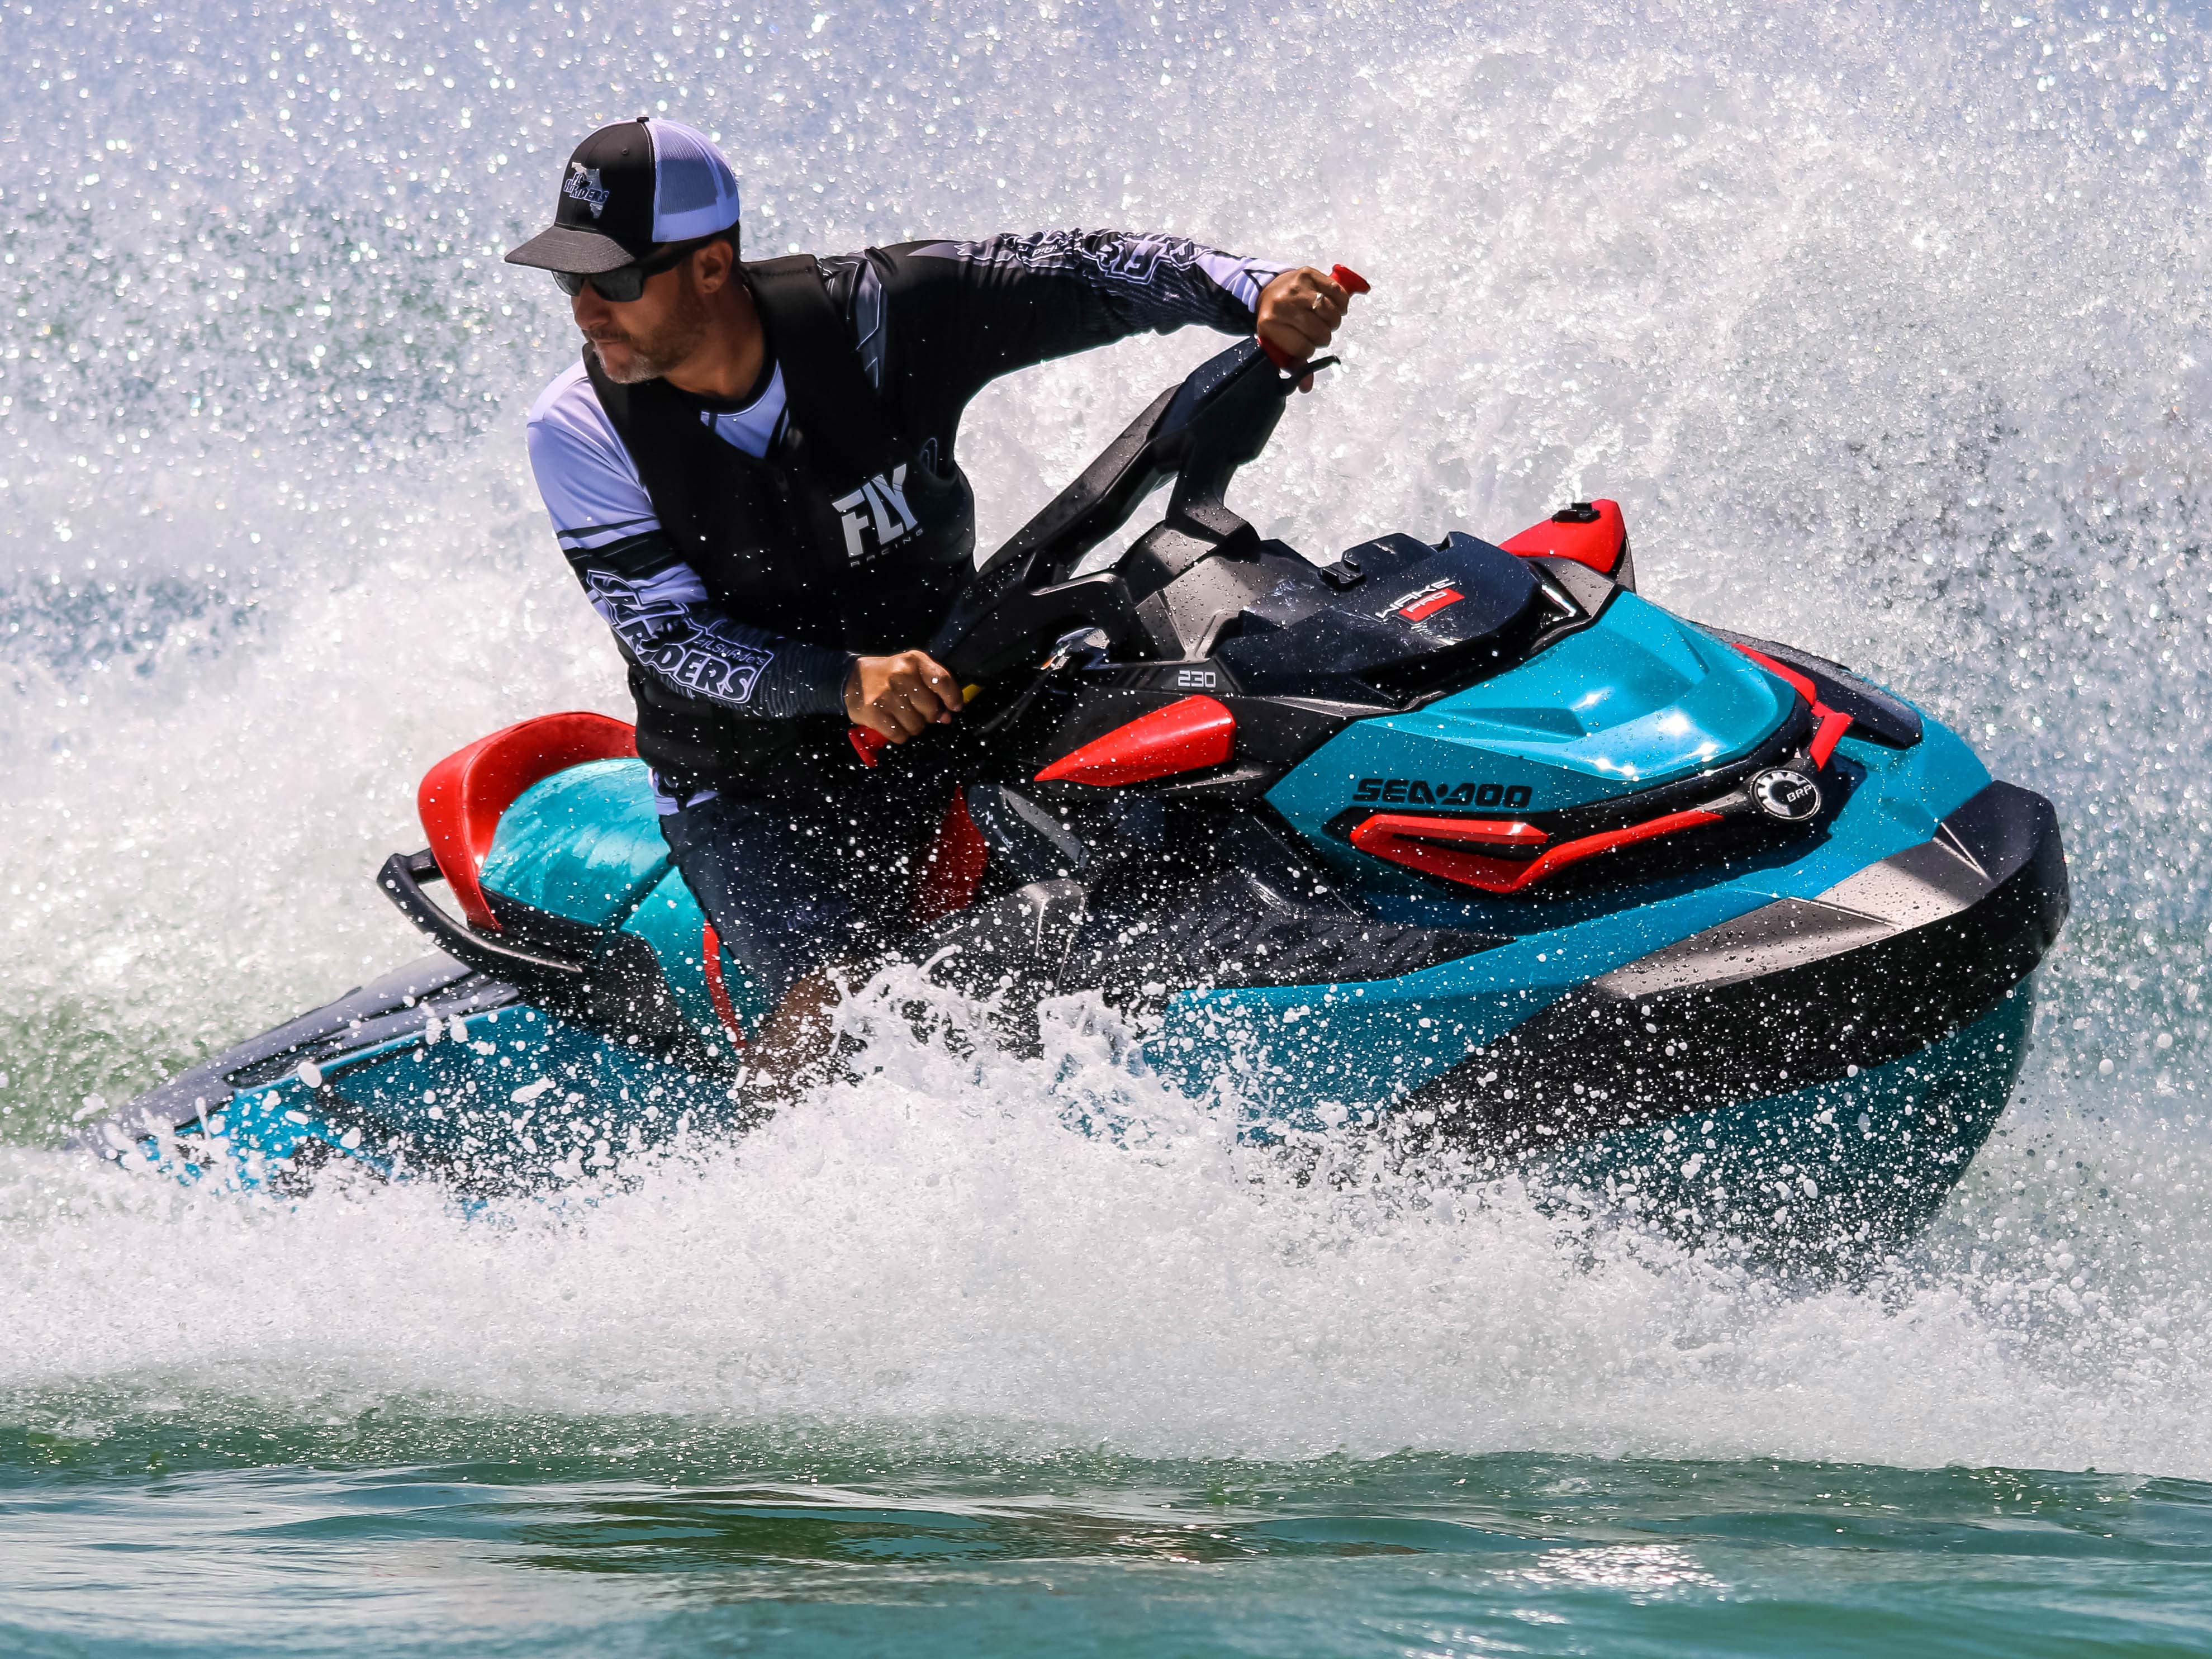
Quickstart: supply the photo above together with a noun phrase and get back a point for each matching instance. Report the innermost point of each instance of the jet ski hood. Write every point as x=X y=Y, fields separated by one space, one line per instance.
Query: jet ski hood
x=1624 y=706
x=1635 y=701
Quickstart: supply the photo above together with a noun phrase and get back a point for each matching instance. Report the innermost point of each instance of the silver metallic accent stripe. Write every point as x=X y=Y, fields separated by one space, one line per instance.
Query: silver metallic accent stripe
x=1908 y=889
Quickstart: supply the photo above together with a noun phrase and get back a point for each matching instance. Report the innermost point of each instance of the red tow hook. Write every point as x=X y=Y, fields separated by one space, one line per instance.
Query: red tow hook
x=1346 y=278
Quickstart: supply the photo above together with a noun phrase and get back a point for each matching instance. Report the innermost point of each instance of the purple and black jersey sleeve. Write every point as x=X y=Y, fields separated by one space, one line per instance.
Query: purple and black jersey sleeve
x=942 y=320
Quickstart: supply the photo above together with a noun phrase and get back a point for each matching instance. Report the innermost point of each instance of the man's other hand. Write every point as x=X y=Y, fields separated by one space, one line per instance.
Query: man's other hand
x=897 y=696
x=1299 y=311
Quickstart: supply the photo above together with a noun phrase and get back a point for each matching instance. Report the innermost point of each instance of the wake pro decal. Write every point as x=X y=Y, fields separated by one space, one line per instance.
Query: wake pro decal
x=1424 y=604
x=655 y=618
x=1413 y=792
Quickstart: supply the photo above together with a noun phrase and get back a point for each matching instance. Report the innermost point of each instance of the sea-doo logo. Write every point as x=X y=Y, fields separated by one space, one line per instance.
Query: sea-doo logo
x=1420 y=606
x=878 y=507
x=583 y=183
x=1412 y=792
x=1782 y=793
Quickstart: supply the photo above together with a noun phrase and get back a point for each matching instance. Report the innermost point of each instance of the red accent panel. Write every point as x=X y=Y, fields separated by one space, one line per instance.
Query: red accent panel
x=1798 y=683
x=1183 y=736
x=1830 y=726
x=718 y=992
x=463 y=796
x=868 y=744
x=955 y=865
x=1412 y=842
x=1422 y=609
x=1489 y=832
x=1832 y=729
x=1597 y=544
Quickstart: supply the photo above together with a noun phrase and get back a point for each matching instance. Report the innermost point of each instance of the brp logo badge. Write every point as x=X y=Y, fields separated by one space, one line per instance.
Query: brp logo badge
x=1786 y=795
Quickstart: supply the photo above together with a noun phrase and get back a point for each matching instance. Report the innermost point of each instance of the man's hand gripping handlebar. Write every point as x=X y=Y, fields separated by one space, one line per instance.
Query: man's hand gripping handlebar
x=1301 y=311
x=891 y=699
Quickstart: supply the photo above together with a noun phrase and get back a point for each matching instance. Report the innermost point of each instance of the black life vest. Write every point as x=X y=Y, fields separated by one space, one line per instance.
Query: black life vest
x=842 y=536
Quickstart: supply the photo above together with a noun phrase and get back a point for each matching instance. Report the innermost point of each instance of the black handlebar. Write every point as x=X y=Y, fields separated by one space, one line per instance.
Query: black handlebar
x=1198 y=433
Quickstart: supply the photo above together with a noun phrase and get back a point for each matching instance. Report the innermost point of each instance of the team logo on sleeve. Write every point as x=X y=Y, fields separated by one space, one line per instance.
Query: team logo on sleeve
x=583 y=183
x=655 y=619
x=875 y=516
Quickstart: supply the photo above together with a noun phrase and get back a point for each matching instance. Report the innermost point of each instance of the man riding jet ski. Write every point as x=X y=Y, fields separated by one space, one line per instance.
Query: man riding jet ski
x=751 y=472
x=1461 y=840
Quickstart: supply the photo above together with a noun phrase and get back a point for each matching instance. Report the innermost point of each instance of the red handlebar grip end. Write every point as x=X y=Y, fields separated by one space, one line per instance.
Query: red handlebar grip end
x=1277 y=356
x=1350 y=280
x=867 y=745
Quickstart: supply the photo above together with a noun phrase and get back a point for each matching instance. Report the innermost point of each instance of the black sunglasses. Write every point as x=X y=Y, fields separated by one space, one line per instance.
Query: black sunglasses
x=627 y=282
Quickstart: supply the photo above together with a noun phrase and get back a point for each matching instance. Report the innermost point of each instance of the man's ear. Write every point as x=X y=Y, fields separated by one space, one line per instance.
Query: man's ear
x=712 y=264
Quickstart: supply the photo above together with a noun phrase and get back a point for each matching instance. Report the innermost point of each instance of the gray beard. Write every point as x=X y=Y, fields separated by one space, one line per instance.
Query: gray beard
x=649 y=360
x=643 y=366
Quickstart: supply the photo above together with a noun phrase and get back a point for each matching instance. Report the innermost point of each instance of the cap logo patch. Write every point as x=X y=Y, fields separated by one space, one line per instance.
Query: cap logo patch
x=583 y=183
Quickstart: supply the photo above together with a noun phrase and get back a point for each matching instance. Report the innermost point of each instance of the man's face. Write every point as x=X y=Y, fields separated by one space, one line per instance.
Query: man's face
x=648 y=337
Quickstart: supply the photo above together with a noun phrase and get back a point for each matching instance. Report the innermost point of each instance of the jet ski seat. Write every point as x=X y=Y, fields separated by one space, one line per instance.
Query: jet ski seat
x=465 y=798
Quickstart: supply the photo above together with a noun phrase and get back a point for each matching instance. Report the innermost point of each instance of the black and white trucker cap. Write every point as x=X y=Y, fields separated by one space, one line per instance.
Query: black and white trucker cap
x=630 y=188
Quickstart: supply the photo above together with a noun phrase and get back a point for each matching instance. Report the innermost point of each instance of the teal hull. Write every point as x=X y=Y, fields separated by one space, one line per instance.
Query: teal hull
x=1855 y=1165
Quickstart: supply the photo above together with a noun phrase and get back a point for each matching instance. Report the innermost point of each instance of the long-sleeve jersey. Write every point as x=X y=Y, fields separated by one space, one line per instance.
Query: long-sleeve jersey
x=933 y=323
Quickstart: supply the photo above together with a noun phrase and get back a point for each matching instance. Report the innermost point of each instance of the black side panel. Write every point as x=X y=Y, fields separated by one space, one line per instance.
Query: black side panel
x=1900 y=955
x=1254 y=910
x=1243 y=929
x=1012 y=947
x=1258 y=910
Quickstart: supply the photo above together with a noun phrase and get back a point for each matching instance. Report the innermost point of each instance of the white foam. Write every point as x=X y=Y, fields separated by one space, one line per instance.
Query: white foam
x=936 y=1246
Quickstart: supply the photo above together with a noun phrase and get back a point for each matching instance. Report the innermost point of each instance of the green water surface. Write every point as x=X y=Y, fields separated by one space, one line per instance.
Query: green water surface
x=167 y=1533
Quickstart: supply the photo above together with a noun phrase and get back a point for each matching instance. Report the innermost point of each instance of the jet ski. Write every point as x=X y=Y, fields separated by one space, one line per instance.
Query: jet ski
x=1458 y=841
